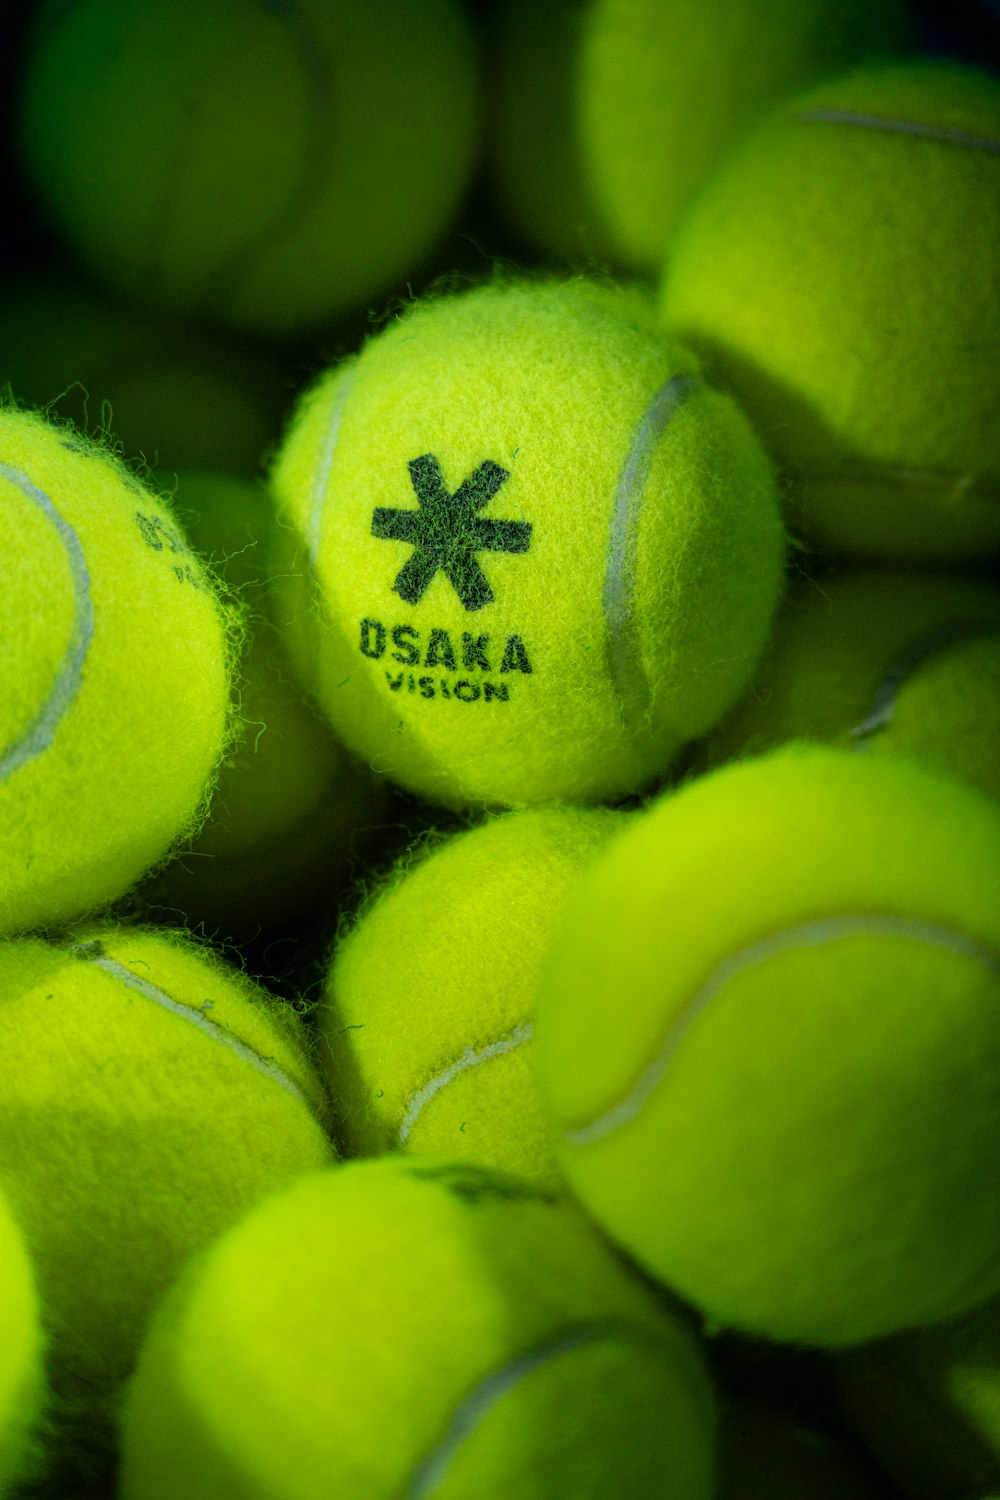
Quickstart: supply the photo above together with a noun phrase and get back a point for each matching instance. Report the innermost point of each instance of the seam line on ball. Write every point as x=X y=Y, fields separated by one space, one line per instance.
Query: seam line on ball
x=951 y=136
x=808 y=935
x=324 y=465
x=469 y=1414
x=624 y=647
x=902 y=669
x=470 y=1058
x=41 y=731
x=93 y=953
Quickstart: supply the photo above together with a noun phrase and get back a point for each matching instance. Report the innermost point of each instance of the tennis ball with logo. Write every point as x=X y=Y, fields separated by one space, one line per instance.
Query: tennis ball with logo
x=531 y=554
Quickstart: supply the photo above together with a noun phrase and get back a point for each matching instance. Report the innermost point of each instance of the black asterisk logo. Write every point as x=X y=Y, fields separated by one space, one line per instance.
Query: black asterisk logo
x=447 y=531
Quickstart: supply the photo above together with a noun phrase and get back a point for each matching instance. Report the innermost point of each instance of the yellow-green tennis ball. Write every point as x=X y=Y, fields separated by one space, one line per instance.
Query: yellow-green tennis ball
x=265 y=166
x=175 y=397
x=772 y=1009
x=666 y=88
x=292 y=812
x=21 y=1355
x=151 y=1095
x=765 y=1452
x=114 y=676
x=416 y=1327
x=427 y=1017
x=536 y=553
x=927 y=1405
x=874 y=660
x=839 y=275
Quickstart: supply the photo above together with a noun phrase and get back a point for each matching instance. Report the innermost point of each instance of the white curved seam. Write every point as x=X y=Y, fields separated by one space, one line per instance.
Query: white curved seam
x=883 y=704
x=321 y=473
x=624 y=648
x=808 y=935
x=472 y=1057
x=93 y=954
x=41 y=731
x=433 y=1470
x=949 y=135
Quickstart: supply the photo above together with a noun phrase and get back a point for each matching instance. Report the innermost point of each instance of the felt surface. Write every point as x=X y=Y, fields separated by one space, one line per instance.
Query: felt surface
x=114 y=664
x=263 y=166
x=801 y=1060
x=879 y=659
x=20 y=1353
x=151 y=1095
x=451 y=1332
x=927 y=1404
x=535 y=553
x=666 y=88
x=839 y=276
x=427 y=1013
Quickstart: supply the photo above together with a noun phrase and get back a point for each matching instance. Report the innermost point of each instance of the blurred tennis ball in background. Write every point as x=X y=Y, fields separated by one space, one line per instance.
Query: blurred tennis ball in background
x=765 y=1452
x=608 y=115
x=927 y=1404
x=535 y=163
x=22 y=1382
x=877 y=659
x=174 y=397
x=293 y=813
x=839 y=276
x=262 y=166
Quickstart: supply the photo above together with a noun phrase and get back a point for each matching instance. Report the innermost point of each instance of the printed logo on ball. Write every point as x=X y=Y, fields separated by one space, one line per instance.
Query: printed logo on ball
x=447 y=534
x=160 y=536
x=476 y=1185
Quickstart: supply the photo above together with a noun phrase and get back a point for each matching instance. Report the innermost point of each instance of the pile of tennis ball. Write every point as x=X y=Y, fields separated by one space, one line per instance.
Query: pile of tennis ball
x=500 y=755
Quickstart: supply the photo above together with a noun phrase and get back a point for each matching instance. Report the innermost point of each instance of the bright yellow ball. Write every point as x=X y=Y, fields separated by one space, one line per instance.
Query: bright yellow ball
x=114 y=676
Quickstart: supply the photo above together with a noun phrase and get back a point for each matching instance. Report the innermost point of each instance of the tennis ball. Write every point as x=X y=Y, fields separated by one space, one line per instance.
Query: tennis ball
x=292 y=811
x=114 y=676
x=21 y=1378
x=772 y=1008
x=663 y=89
x=839 y=276
x=432 y=1055
x=264 y=166
x=176 y=397
x=535 y=162
x=927 y=1404
x=765 y=1452
x=150 y=1096
x=530 y=552
x=876 y=660
x=435 y=1329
